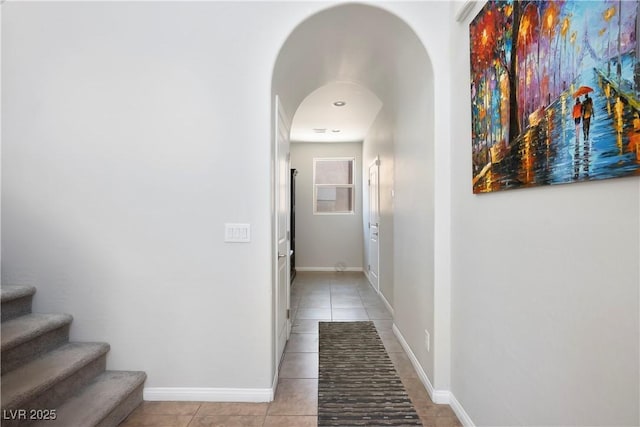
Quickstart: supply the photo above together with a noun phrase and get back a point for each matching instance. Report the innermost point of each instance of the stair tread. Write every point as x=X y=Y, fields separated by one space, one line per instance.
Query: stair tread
x=94 y=402
x=11 y=292
x=24 y=328
x=38 y=375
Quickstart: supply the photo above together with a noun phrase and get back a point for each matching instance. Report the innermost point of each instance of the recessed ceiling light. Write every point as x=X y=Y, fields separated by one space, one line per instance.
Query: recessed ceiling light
x=335 y=130
x=319 y=130
x=339 y=103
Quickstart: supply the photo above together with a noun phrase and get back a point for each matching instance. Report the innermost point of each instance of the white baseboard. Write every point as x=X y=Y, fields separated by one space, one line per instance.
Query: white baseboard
x=327 y=269
x=274 y=384
x=368 y=276
x=382 y=297
x=437 y=396
x=196 y=394
x=386 y=303
x=462 y=415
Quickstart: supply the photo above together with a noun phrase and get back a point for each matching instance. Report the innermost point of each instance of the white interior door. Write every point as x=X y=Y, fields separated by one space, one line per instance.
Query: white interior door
x=374 y=224
x=283 y=326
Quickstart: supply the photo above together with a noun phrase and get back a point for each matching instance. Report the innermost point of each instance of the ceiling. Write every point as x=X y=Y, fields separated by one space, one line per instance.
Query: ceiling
x=354 y=53
x=317 y=119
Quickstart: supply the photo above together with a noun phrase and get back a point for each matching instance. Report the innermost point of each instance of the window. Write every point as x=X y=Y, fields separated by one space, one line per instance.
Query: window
x=333 y=185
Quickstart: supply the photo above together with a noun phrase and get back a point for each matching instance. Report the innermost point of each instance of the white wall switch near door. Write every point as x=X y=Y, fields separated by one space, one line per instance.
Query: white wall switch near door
x=237 y=233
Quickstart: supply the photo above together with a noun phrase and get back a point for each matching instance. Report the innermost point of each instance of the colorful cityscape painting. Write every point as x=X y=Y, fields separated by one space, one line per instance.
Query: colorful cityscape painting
x=555 y=89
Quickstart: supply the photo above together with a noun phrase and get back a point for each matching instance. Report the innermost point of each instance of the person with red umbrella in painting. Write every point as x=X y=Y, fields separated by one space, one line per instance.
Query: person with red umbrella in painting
x=577 y=115
x=587 y=108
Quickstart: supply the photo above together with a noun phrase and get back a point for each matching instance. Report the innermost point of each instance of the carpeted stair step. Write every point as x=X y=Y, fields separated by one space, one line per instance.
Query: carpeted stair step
x=105 y=402
x=30 y=336
x=46 y=382
x=16 y=301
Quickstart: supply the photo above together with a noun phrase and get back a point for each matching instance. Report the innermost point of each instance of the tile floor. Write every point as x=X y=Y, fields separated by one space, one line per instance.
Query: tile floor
x=314 y=297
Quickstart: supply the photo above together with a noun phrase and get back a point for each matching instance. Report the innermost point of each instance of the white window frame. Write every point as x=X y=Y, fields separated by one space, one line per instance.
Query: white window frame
x=352 y=186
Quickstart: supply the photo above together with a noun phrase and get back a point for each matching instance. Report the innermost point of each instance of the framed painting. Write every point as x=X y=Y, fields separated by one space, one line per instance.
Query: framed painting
x=555 y=89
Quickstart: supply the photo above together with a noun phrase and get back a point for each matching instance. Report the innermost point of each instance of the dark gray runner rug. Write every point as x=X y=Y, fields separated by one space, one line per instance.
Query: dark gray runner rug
x=358 y=385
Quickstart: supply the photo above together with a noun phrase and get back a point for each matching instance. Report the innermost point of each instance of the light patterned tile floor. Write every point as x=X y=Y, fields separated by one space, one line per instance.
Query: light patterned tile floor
x=315 y=297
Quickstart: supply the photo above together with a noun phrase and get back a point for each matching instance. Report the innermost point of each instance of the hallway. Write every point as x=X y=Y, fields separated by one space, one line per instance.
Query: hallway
x=315 y=297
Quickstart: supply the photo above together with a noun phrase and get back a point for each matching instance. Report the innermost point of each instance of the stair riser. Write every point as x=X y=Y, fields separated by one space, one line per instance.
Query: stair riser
x=26 y=352
x=17 y=307
x=119 y=414
x=59 y=392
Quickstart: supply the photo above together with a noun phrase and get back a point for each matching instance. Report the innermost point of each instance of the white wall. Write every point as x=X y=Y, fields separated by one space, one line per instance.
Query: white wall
x=325 y=241
x=421 y=205
x=545 y=291
x=134 y=131
x=379 y=143
x=131 y=133
x=414 y=221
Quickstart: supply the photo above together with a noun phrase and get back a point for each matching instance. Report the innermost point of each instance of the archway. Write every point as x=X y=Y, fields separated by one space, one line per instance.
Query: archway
x=374 y=48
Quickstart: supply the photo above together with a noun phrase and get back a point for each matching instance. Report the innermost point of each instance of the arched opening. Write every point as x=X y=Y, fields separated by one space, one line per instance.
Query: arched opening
x=376 y=50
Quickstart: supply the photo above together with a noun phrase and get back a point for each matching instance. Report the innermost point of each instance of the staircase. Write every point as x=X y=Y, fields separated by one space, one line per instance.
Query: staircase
x=48 y=381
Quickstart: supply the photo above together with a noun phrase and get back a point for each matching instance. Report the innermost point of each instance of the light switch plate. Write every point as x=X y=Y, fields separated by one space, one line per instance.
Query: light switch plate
x=237 y=233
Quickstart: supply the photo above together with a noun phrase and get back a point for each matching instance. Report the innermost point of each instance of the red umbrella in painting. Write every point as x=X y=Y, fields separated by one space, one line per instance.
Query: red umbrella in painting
x=582 y=90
